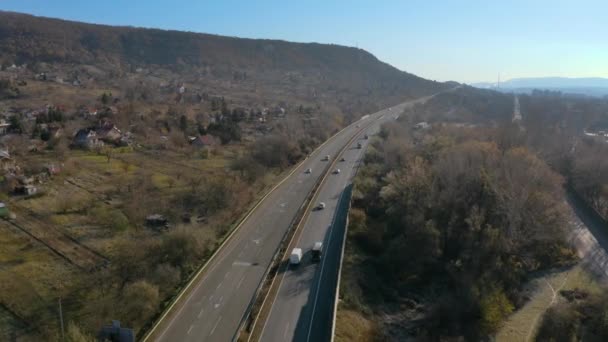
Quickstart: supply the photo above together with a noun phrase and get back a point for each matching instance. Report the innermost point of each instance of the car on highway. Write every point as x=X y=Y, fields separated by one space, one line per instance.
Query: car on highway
x=359 y=146
x=326 y=158
x=295 y=257
x=321 y=206
x=366 y=136
x=309 y=170
x=317 y=251
x=336 y=171
x=342 y=159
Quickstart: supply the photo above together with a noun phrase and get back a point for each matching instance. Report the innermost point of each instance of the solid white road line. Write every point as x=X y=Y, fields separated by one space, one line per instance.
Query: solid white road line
x=215 y=326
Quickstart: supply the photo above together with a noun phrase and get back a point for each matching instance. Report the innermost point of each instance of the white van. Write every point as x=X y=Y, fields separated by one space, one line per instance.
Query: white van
x=296 y=256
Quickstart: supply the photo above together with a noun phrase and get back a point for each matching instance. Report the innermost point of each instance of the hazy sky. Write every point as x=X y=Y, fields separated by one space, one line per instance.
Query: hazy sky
x=466 y=41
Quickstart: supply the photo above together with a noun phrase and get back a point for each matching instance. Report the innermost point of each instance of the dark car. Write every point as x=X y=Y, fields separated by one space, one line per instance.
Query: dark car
x=317 y=250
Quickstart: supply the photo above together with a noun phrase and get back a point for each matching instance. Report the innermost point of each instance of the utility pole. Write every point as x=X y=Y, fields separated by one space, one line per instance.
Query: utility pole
x=61 y=320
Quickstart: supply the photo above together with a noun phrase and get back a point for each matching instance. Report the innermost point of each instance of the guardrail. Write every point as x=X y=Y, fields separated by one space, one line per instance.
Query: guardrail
x=262 y=296
x=174 y=300
x=344 y=236
x=250 y=317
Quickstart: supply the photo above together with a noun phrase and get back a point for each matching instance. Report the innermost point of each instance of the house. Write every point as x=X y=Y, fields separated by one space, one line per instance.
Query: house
x=52 y=169
x=89 y=112
x=4 y=126
x=86 y=138
x=206 y=140
x=7 y=164
x=109 y=133
x=27 y=190
x=422 y=125
x=25 y=186
x=116 y=333
x=3 y=210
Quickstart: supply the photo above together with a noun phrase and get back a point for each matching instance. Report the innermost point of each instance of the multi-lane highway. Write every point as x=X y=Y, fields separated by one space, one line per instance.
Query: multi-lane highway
x=213 y=306
x=303 y=307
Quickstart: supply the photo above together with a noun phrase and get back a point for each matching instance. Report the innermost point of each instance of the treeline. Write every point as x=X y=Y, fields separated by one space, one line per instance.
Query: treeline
x=555 y=125
x=449 y=223
x=465 y=105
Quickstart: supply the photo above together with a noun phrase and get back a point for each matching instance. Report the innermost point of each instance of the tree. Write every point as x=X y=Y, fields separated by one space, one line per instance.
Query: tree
x=106 y=97
x=140 y=302
x=494 y=307
x=183 y=123
x=16 y=125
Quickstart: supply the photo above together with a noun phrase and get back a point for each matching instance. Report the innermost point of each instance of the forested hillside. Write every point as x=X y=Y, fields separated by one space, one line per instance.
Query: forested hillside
x=350 y=78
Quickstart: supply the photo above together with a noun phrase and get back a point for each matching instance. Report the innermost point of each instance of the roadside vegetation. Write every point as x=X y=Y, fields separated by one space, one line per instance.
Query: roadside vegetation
x=451 y=220
x=445 y=228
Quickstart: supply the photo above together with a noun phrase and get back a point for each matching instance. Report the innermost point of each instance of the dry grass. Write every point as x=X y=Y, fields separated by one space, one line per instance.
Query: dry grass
x=522 y=325
x=31 y=279
x=351 y=326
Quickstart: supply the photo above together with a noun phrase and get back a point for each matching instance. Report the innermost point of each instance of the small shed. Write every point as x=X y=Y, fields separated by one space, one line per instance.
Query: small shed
x=3 y=210
x=157 y=221
x=116 y=333
x=206 y=140
x=422 y=125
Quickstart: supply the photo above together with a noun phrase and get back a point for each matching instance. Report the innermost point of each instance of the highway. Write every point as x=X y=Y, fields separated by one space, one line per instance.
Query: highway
x=303 y=307
x=212 y=308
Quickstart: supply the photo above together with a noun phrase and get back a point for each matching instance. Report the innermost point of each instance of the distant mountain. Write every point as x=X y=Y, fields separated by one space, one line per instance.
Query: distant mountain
x=592 y=86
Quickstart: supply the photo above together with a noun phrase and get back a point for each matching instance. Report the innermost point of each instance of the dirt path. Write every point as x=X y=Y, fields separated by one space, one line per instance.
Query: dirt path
x=588 y=236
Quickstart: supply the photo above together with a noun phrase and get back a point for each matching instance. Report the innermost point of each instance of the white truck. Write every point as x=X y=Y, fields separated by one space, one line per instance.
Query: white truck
x=296 y=257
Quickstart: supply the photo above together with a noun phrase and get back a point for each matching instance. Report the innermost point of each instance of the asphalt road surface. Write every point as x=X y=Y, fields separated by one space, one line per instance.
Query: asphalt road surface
x=303 y=307
x=590 y=237
x=214 y=308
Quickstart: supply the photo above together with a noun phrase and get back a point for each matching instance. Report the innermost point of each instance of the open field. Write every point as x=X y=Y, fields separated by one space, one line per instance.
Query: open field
x=70 y=231
x=31 y=280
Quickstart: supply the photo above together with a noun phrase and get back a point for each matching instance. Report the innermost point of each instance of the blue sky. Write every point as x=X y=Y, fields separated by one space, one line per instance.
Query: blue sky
x=466 y=41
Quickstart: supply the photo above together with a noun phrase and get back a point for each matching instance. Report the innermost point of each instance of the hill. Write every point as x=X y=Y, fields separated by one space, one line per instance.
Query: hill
x=350 y=78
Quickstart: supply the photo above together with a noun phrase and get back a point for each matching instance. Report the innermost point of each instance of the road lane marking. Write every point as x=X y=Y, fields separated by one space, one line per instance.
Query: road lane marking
x=240 y=282
x=303 y=220
x=218 y=285
x=241 y=263
x=201 y=313
x=228 y=245
x=285 y=332
x=190 y=329
x=318 y=285
x=215 y=326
